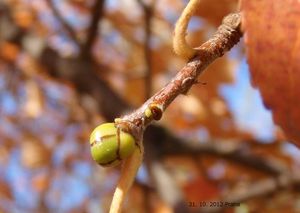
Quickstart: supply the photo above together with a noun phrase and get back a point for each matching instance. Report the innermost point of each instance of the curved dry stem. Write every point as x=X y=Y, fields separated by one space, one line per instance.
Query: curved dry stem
x=129 y=170
x=180 y=45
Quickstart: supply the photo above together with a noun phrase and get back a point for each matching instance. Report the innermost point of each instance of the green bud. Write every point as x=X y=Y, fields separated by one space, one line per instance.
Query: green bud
x=154 y=111
x=109 y=145
x=148 y=113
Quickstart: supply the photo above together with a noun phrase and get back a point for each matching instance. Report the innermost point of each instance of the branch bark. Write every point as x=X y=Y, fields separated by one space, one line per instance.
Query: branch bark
x=227 y=35
x=148 y=14
x=83 y=74
x=97 y=14
x=225 y=38
x=233 y=151
x=63 y=22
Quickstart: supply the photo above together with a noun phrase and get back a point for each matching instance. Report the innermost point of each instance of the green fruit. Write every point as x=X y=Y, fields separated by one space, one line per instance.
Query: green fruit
x=110 y=145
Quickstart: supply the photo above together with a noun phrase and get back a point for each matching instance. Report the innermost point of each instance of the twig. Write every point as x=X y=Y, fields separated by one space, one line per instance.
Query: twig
x=63 y=22
x=227 y=35
x=148 y=13
x=225 y=38
x=97 y=14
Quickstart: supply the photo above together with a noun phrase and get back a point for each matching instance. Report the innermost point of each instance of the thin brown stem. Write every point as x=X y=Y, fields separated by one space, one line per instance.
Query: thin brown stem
x=227 y=35
x=234 y=152
x=62 y=21
x=97 y=14
x=148 y=15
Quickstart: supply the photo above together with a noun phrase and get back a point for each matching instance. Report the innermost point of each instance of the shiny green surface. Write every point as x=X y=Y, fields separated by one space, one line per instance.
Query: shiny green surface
x=106 y=150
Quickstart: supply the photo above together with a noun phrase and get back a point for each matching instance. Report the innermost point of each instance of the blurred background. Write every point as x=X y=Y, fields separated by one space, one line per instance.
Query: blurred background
x=68 y=65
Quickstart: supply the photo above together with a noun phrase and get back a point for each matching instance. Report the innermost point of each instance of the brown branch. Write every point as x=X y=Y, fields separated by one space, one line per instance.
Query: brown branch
x=148 y=14
x=97 y=14
x=92 y=32
x=235 y=152
x=227 y=35
x=63 y=22
x=83 y=74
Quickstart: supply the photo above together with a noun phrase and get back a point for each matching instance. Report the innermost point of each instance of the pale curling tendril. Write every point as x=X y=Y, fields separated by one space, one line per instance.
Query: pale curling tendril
x=180 y=46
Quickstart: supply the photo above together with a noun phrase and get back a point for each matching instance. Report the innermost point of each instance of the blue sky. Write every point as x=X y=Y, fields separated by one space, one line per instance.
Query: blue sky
x=246 y=104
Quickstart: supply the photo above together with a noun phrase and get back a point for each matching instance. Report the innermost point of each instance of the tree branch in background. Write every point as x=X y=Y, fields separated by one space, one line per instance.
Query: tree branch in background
x=148 y=15
x=256 y=190
x=83 y=74
x=97 y=11
x=63 y=22
x=233 y=151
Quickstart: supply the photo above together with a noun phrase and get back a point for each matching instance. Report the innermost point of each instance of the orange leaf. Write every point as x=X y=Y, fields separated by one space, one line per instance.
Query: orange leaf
x=40 y=182
x=273 y=40
x=34 y=154
x=215 y=10
x=23 y=17
x=5 y=191
x=9 y=51
x=201 y=190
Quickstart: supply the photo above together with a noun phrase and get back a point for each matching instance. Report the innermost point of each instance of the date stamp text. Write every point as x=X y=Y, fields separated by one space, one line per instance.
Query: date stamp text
x=220 y=204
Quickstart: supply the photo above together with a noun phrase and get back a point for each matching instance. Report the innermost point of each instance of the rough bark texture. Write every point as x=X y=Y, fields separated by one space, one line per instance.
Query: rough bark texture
x=227 y=35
